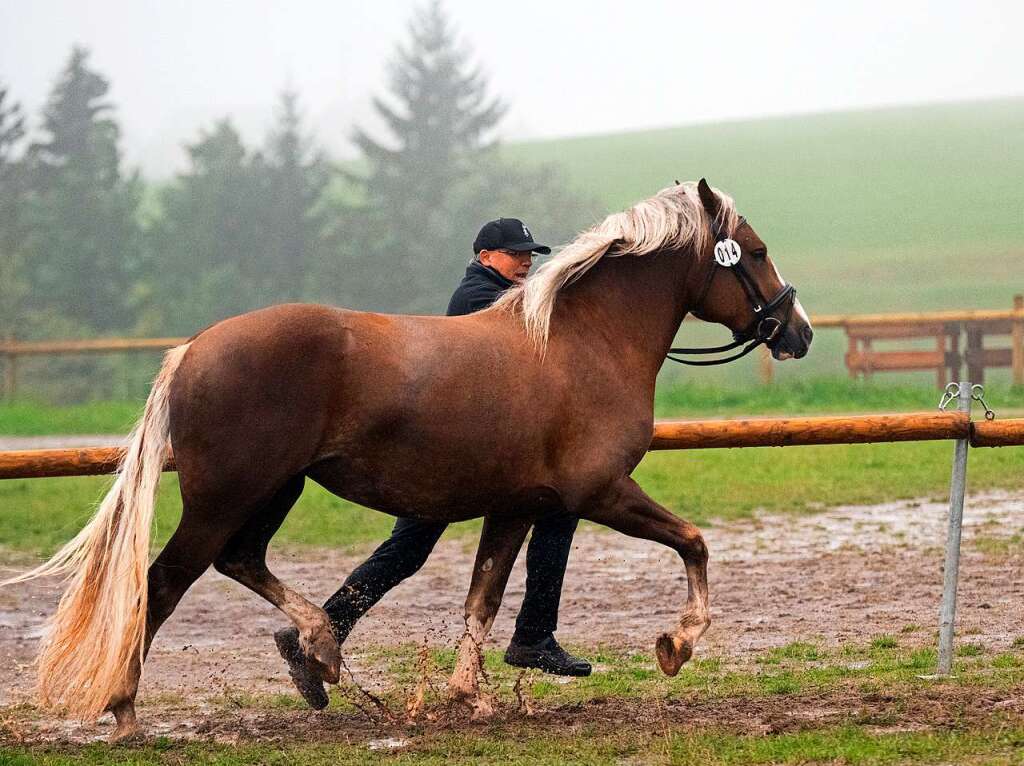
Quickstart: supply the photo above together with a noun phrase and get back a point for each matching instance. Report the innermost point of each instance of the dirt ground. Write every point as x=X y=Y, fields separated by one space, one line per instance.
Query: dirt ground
x=841 y=575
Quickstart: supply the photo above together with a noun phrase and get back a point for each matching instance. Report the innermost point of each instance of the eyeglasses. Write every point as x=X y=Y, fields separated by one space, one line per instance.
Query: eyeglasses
x=518 y=253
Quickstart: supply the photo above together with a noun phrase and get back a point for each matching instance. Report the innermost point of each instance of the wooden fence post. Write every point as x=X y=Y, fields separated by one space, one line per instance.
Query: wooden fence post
x=954 y=353
x=851 y=355
x=975 y=354
x=1017 y=354
x=10 y=371
x=765 y=366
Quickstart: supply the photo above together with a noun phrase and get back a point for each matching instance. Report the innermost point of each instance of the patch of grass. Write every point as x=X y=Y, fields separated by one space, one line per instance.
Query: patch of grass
x=797 y=650
x=884 y=642
x=922 y=660
x=1007 y=660
x=782 y=683
x=589 y=745
x=993 y=545
x=846 y=745
x=970 y=650
x=799 y=397
x=25 y=418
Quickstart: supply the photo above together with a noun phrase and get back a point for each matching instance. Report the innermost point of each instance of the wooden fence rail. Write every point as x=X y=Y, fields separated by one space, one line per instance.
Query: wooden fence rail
x=668 y=435
x=11 y=350
x=862 y=358
x=958 y=338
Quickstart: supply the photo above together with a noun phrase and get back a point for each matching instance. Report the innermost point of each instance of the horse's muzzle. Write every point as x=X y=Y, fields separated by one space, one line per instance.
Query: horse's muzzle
x=793 y=343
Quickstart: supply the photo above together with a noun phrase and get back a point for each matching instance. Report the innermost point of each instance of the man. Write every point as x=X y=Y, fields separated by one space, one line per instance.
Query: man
x=504 y=251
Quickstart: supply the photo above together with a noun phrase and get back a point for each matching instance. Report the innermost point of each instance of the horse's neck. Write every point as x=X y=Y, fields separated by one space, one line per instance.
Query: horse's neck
x=627 y=306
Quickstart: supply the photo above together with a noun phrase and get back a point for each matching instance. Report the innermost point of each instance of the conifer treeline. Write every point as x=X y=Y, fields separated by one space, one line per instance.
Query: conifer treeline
x=88 y=248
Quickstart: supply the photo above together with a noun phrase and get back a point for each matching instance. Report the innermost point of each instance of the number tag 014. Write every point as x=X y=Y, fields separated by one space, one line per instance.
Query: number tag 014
x=727 y=253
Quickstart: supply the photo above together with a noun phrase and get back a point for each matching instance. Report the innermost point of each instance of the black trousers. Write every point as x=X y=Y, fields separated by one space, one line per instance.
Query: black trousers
x=411 y=541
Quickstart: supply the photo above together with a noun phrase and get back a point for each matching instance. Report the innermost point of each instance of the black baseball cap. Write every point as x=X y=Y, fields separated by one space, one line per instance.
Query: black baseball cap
x=507 y=234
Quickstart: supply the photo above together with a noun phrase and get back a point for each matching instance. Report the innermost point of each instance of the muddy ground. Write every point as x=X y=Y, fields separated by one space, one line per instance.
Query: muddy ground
x=845 y=574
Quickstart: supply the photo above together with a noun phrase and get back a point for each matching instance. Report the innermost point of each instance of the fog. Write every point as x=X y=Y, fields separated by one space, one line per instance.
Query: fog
x=564 y=68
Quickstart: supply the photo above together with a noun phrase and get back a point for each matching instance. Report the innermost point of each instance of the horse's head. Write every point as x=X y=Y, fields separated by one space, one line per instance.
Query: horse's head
x=754 y=301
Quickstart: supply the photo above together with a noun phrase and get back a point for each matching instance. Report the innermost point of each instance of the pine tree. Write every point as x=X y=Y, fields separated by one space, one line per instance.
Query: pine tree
x=294 y=176
x=440 y=118
x=210 y=229
x=12 y=131
x=13 y=281
x=434 y=181
x=85 y=243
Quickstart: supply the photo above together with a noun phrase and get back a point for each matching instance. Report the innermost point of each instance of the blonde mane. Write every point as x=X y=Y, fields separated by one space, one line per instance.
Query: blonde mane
x=673 y=219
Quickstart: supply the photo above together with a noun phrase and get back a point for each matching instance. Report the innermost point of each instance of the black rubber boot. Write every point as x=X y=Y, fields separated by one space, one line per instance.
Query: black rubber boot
x=309 y=684
x=548 y=656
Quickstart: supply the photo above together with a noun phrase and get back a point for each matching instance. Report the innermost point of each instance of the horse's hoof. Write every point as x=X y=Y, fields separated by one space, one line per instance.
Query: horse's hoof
x=307 y=680
x=477 y=704
x=127 y=724
x=672 y=653
x=480 y=709
x=322 y=651
x=125 y=732
x=461 y=694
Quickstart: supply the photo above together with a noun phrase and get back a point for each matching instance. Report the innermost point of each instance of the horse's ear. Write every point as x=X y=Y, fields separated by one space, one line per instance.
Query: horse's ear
x=712 y=204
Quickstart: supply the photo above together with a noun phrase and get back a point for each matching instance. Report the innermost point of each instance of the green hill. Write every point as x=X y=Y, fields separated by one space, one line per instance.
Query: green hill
x=911 y=208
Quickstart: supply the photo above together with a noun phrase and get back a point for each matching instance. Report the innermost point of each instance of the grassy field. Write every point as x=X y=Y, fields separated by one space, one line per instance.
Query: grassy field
x=852 y=704
x=901 y=209
x=703 y=486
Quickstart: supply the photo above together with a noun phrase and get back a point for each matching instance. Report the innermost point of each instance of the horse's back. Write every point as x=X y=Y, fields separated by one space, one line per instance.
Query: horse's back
x=297 y=381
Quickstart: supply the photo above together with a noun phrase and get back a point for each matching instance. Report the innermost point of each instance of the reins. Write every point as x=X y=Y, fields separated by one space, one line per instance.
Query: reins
x=763 y=330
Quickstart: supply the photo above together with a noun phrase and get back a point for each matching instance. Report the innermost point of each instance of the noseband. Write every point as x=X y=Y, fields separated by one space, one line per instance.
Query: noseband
x=765 y=328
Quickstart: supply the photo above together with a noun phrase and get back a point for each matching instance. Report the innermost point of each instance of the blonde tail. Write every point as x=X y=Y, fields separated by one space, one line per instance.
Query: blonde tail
x=93 y=642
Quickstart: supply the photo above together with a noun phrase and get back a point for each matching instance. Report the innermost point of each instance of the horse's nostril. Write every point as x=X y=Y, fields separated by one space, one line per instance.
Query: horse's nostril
x=807 y=333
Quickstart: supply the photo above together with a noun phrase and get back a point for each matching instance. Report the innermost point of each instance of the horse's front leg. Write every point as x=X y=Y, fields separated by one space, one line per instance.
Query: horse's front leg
x=500 y=541
x=626 y=508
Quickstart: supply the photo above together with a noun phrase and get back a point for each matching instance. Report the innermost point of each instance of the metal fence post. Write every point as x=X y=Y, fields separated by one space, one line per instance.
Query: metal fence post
x=951 y=572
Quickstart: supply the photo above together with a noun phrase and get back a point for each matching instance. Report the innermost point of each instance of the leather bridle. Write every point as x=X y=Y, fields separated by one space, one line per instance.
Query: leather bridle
x=765 y=328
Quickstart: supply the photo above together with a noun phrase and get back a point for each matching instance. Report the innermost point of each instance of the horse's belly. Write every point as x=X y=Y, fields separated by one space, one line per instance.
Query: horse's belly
x=410 y=491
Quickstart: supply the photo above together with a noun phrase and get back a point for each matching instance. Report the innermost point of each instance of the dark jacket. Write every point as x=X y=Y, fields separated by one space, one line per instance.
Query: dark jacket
x=481 y=287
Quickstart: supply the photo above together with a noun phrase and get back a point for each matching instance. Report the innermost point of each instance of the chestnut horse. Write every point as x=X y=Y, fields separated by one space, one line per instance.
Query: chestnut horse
x=542 y=403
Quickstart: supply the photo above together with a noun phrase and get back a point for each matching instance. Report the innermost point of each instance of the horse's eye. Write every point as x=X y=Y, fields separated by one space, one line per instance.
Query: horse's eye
x=760 y=254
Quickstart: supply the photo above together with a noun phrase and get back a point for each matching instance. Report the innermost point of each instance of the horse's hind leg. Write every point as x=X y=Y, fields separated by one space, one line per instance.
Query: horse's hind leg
x=189 y=553
x=627 y=509
x=244 y=559
x=500 y=541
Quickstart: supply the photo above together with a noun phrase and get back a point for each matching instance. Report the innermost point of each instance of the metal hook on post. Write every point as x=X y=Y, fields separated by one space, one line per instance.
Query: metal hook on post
x=951 y=572
x=978 y=395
